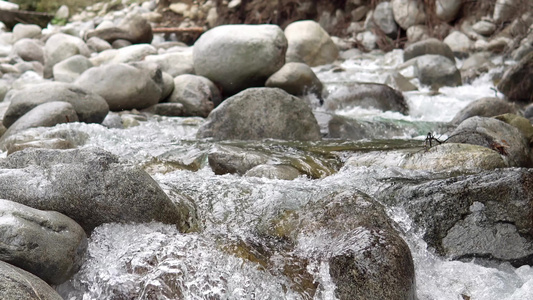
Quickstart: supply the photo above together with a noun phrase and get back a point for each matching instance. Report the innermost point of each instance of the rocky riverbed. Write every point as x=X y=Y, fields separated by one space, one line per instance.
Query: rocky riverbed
x=268 y=161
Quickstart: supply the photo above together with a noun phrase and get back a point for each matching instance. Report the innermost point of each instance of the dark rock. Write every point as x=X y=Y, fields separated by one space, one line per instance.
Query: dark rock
x=429 y=46
x=484 y=107
x=516 y=83
x=17 y=284
x=52 y=143
x=166 y=109
x=71 y=68
x=233 y=160
x=133 y=28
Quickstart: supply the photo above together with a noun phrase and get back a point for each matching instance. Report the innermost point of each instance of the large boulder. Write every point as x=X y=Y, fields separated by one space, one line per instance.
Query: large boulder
x=429 y=46
x=516 y=83
x=408 y=12
x=296 y=79
x=237 y=57
x=197 y=94
x=447 y=10
x=484 y=107
x=384 y=19
x=29 y=50
x=123 y=86
x=88 y=185
x=133 y=28
x=459 y=42
x=45 y=243
x=261 y=113
x=90 y=107
x=437 y=71
x=61 y=46
x=310 y=43
x=26 y=31
x=71 y=68
x=17 y=284
x=174 y=63
x=234 y=160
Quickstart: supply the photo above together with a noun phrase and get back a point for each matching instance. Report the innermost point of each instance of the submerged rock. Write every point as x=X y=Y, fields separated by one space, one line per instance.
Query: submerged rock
x=233 y=160
x=309 y=43
x=17 y=284
x=283 y=172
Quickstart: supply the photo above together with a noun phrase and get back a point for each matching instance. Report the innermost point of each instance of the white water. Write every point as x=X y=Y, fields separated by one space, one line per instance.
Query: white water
x=142 y=260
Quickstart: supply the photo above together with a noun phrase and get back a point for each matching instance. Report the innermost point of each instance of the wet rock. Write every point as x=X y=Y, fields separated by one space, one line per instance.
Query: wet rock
x=166 y=109
x=384 y=19
x=90 y=107
x=516 y=84
x=520 y=123
x=26 y=31
x=47 y=114
x=341 y=127
x=45 y=243
x=197 y=94
x=260 y=113
x=309 y=43
x=367 y=95
x=174 y=63
x=437 y=71
x=17 y=284
x=61 y=46
x=475 y=65
x=447 y=10
x=296 y=79
x=123 y=86
x=497 y=135
x=283 y=172
x=132 y=28
x=71 y=68
x=29 y=50
x=459 y=42
x=485 y=215
x=234 y=160
x=97 y=44
x=408 y=12
x=399 y=82
x=251 y=54
x=88 y=185
x=113 y=120
x=429 y=46
x=484 y=107
x=52 y=143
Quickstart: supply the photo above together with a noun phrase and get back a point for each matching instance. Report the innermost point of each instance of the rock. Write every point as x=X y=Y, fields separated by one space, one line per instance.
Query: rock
x=28 y=31
x=97 y=44
x=47 y=244
x=482 y=216
x=522 y=51
x=9 y=6
x=520 y=123
x=52 y=143
x=61 y=46
x=123 y=86
x=429 y=46
x=309 y=43
x=29 y=50
x=251 y=54
x=384 y=19
x=47 y=114
x=475 y=65
x=113 y=120
x=197 y=94
x=516 y=84
x=120 y=43
x=234 y=160
x=408 y=12
x=179 y=8
x=437 y=71
x=71 y=68
x=133 y=53
x=504 y=10
x=359 y=13
x=90 y=107
x=367 y=39
x=399 y=82
x=485 y=28
x=167 y=86
x=132 y=28
x=458 y=42
x=88 y=185
x=62 y=13
x=484 y=107
x=496 y=135
x=260 y=113
x=417 y=33
x=17 y=284
x=367 y=95
x=281 y=172
x=296 y=79
x=166 y=109
x=447 y=10
x=174 y=63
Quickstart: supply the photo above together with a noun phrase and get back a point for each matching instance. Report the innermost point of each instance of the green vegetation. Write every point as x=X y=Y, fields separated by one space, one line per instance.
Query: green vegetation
x=51 y=6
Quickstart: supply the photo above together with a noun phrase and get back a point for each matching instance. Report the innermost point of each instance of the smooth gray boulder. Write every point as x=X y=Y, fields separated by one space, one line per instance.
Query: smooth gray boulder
x=197 y=94
x=484 y=107
x=428 y=46
x=89 y=185
x=28 y=31
x=133 y=53
x=61 y=46
x=97 y=44
x=29 y=50
x=408 y=12
x=383 y=17
x=123 y=86
x=260 y=113
x=132 y=28
x=166 y=109
x=17 y=284
x=309 y=43
x=296 y=79
x=44 y=115
x=237 y=57
x=437 y=71
x=174 y=63
x=47 y=244
x=447 y=10
x=233 y=160
x=516 y=83
x=90 y=107
x=71 y=68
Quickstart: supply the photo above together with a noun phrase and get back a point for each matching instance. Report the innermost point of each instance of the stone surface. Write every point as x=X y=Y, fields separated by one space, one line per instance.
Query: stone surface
x=133 y=53
x=236 y=57
x=309 y=43
x=437 y=71
x=97 y=44
x=429 y=46
x=197 y=94
x=174 y=63
x=384 y=19
x=61 y=46
x=17 y=284
x=485 y=28
x=459 y=42
x=475 y=65
x=29 y=50
x=90 y=107
x=520 y=123
x=71 y=68
x=53 y=143
x=408 y=12
x=296 y=79
x=45 y=243
x=282 y=172
x=484 y=107
x=516 y=83
x=123 y=86
x=260 y=113
x=447 y=10
x=504 y=10
x=166 y=109
x=88 y=185
x=29 y=31
x=132 y=28
x=233 y=160
x=417 y=33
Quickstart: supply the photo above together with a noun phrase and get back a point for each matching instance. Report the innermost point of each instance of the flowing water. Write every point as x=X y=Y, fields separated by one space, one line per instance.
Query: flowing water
x=141 y=261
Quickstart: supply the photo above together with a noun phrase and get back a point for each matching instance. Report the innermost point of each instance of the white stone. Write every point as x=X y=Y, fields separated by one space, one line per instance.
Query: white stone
x=62 y=13
x=458 y=42
x=505 y=9
x=8 y=6
x=234 y=4
x=485 y=28
x=179 y=8
x=367 y=39
x=447 y=10
x=408 y=13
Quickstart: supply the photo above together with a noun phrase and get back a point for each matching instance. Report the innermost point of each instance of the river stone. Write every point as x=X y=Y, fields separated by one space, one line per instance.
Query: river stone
x=47 y=244
x=236 y=57
x=260 y=113
x=516 y=83
x=485 y=28
x=167 y=85
x=29 y=31
x=296 y=79
x=475 y=65
x=520 y=123
x=484 y=107
x=52 y=143
x=429 y=46
x=459 y=42
x=408 y=12
x=417 y=33
x=97 y=44
x=120 y=43
x=282 y=172
x=71 y=68
x=132 y=28
x=17 y=284
x=163 y=109
x=447 y=10
x=89 y=185
x=484 y=215
x=90 y=107
x=47 y=114
x=496 y=135
x=61 y=46
x=384 y=19
x=504 y=10
x=197 y=94
x=29 y=50
x=174 y=63
x=123 y=86
x=234 y=160
x=309 y=43
x=367 y=95
x=133 y=53
x=437 y=71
